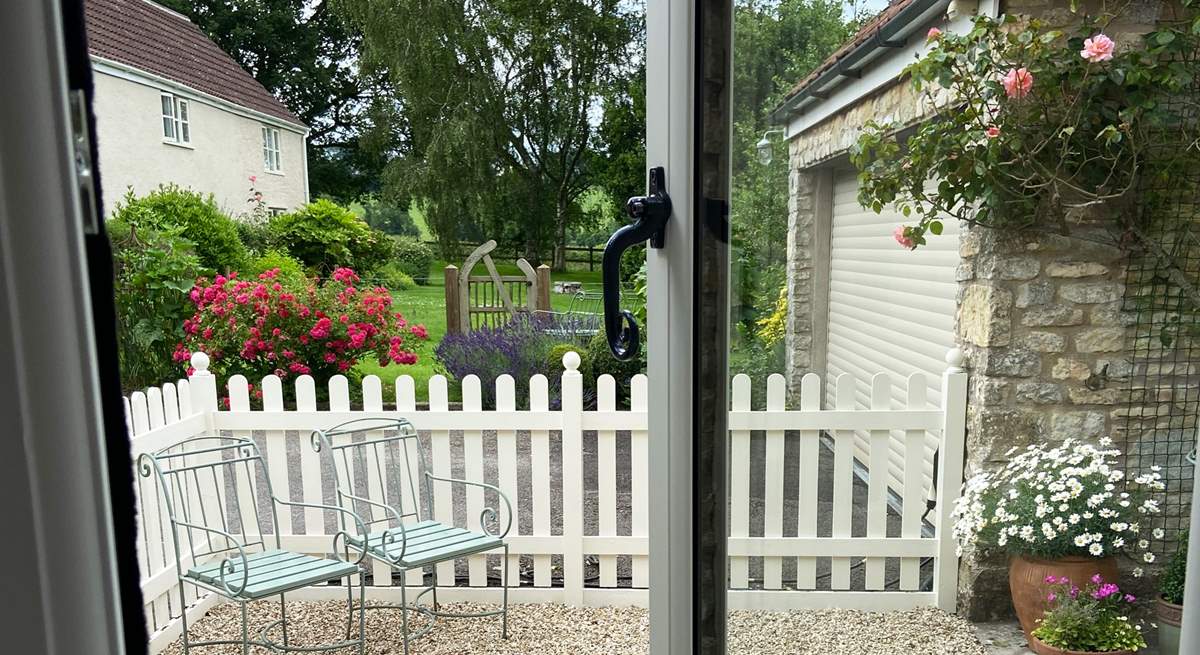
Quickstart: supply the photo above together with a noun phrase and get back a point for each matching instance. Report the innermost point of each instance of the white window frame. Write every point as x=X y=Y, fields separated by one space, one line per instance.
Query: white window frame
x=176 y=119
x=272 y=153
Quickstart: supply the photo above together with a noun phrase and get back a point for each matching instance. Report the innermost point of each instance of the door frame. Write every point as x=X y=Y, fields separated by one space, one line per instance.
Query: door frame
x=688 y=46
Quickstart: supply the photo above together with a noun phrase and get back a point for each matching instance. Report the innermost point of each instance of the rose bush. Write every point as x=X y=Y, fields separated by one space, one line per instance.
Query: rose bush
x=1029 y=121
x=289 y=327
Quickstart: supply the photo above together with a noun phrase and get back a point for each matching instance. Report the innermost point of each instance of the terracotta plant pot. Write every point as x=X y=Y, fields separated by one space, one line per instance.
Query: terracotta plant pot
x=1042 y=649
x=1170 y=616
x=1027 y=582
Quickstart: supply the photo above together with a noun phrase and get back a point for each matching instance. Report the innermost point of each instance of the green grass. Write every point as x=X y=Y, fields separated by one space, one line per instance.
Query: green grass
x=427 y=305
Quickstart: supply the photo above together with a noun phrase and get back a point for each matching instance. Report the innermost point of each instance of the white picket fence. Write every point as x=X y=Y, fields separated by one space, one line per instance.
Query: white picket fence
x=165 y=415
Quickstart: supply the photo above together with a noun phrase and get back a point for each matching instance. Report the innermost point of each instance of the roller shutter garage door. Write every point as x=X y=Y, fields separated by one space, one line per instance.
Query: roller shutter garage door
x=890 y=310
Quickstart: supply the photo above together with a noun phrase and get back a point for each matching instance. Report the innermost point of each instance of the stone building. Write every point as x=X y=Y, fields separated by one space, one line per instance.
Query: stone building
x=1039 y=317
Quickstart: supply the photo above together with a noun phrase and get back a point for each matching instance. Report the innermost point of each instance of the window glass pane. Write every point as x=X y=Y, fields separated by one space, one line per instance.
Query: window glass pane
x=168 y=116
x=185 y=132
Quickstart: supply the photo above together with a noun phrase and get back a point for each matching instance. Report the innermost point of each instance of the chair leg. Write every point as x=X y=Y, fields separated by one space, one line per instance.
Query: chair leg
x=283 y=615
x=404 y=615
x=504 y=573
x=362 y=614
x=183 y=615
x=245 y=631
x=349 y=605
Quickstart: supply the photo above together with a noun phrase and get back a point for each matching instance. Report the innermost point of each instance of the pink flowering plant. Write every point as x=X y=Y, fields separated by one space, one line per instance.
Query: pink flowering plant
x=1089 y=616
x=1030 y=120
x=286 y=327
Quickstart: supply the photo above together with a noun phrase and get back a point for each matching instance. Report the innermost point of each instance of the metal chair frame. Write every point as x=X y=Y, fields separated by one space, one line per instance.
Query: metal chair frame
x=358 y=454
x=183 y=471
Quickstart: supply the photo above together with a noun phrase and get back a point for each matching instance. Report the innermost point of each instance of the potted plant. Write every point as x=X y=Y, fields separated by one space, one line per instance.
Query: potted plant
x=1057 y=512
x=1093 y=618
x=1169 y=607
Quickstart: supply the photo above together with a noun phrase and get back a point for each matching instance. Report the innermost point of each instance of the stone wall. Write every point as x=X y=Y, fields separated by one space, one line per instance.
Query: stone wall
x=1040 y=320
x=798 y=327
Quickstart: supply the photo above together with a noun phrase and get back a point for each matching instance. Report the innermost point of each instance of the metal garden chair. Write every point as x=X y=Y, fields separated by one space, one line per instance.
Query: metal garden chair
x=381 y=473
x=209 y=485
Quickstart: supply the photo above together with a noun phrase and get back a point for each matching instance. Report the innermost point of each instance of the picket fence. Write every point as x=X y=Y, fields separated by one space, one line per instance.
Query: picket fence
x=164 y=415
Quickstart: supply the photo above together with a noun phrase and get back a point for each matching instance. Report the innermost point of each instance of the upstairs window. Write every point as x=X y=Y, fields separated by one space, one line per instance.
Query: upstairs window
x=175 y=119
x=270 y=149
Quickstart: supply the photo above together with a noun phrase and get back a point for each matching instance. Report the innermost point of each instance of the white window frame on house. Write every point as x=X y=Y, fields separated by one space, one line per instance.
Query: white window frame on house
x=271 y=150
x=176 y=119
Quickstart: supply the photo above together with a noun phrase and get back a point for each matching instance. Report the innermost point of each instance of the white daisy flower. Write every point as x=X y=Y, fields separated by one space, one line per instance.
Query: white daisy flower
x=1158 y=533
x=1096 y=550
x=1148 y=558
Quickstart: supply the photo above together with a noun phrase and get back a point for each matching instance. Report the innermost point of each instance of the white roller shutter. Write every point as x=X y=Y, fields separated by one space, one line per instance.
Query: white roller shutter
x=890 y=310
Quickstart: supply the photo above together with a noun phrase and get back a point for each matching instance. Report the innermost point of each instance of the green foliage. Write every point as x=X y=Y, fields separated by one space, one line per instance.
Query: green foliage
x=597 y=360
x=324 y=236
x=1090 y=617
x=153 y=270
x=486 y=112
x=1171 y=584
x=413 y=257
x=555 y=356
x=254 y=235
x=1064 y=131
x=389 y=218
x=213 y=234
x=290 y=270
x=392 y=276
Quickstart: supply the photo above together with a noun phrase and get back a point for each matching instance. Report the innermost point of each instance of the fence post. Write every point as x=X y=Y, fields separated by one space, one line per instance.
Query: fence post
x=542 y=301
x=572 y=477
x=453 y=313
x=203 y=387
x=950 y=477
x=591 y=258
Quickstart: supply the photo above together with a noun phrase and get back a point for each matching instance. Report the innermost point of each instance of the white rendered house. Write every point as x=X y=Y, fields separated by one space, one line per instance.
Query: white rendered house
x=172 y=107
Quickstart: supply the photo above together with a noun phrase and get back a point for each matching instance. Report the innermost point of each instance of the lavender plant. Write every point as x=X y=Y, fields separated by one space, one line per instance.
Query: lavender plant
x=518 y=348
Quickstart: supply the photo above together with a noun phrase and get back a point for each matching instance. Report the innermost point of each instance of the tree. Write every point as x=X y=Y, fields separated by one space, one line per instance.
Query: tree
x=495 y=92
x=302 y=52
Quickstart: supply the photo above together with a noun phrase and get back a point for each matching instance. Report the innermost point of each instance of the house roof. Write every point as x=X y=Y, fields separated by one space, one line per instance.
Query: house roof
x=888 y=29
x=154 y=39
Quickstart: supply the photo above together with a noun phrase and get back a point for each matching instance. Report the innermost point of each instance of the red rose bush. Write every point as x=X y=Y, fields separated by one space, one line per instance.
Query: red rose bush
x=272 y=326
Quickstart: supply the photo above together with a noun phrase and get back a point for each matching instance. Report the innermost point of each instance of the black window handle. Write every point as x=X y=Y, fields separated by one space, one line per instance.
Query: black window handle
x=649 y=213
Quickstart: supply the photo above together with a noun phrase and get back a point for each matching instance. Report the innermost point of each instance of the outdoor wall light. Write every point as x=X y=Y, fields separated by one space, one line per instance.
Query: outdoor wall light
x=765 y=151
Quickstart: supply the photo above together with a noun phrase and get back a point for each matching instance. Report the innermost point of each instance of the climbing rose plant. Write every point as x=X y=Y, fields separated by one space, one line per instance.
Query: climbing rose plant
x=1029 y=122
x=1072 y=499
x=273 y=326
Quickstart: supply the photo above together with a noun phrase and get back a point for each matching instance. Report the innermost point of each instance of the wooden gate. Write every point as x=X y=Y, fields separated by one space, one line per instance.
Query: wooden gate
x=492 y=300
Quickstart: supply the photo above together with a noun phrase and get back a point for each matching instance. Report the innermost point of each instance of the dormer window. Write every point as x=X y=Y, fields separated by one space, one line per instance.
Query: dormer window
x=175 y=119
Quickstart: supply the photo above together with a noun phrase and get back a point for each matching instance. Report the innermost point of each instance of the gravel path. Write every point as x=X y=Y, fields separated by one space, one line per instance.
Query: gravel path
x=559 y=630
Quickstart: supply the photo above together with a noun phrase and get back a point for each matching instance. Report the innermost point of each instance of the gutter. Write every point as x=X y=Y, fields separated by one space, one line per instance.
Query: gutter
x=891 y=35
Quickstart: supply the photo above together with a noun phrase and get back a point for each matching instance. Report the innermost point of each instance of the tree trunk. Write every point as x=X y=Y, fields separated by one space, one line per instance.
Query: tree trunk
x=560 y=236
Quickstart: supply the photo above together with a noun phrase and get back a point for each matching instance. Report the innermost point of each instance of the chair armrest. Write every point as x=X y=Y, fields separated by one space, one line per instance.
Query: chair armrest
x=488 y=512
x=389 y=535
x=241 y=552
x=342 y=534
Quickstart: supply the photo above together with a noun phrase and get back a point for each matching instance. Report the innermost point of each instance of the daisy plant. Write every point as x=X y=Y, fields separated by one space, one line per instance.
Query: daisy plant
x=1052 y=502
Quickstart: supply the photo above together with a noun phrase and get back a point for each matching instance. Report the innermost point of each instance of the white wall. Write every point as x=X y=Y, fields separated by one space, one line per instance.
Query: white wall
x=226 y=149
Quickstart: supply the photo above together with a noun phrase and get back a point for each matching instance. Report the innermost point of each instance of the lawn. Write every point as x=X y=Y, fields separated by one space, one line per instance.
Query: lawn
x=427 y=305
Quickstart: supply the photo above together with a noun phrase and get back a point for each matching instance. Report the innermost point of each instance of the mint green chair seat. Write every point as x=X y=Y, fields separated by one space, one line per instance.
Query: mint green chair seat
x=273 y=571
x=428 y=542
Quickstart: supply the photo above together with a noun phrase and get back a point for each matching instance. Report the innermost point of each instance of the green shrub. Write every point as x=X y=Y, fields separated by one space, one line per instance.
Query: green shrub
x=597 y=359
x=290 y=269
x=213 y=234
x=254 y=235
x=324 y=235
x=555 y=355
x=389 y=218
x=153 y=271
x=1171 y=584
x=391 y=276
x=414 y=257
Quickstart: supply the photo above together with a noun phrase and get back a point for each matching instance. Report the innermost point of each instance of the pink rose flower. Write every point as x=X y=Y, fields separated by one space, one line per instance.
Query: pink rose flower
x=992 y=132
x=1098 y=48
x=932 y=34
x=900 y=234
x=1018 y=82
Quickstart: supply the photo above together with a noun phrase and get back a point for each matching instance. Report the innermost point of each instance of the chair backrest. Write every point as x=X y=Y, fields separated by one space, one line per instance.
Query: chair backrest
x=380 y=459
x=214 y=483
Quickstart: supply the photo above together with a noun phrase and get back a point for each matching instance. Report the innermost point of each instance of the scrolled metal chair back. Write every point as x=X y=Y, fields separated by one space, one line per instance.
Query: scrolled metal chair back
x=212 y=486
x=379 y=470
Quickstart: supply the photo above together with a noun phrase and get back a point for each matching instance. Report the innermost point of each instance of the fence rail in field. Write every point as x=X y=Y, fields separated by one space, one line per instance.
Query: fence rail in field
x=590 y=255
x=539 y=461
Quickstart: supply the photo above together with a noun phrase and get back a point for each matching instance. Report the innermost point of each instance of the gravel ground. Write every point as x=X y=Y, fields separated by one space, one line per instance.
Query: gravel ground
x=555 y=629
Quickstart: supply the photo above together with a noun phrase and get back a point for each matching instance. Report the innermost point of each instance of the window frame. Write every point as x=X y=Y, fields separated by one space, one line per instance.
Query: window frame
x=176 y=114
x=272 y=152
